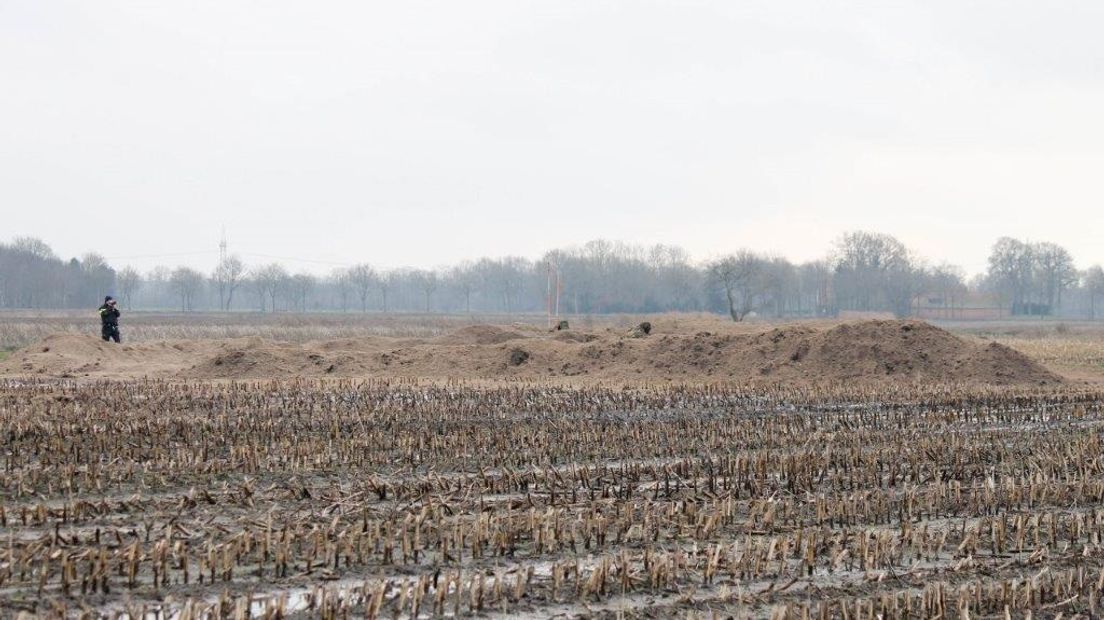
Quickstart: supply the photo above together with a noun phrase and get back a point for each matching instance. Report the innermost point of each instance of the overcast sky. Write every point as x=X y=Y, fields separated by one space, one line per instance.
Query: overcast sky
x=422 y=133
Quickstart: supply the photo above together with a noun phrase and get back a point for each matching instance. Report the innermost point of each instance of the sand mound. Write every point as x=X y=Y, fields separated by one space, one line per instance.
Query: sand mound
x=68 y=355
x=868 y=351
x=574 y=337
x=804 y=353
x=480 y=334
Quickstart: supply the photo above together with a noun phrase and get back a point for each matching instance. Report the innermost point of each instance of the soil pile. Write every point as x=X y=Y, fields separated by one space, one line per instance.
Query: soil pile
x=804 y=353
x=480 y=334
x=69 y=355
x=867 y=351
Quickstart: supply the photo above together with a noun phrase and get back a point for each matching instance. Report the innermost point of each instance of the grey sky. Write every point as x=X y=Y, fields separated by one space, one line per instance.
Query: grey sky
x=422 y=133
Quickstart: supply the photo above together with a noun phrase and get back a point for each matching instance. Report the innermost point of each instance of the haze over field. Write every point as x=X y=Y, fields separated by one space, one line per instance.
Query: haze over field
x=423 y=133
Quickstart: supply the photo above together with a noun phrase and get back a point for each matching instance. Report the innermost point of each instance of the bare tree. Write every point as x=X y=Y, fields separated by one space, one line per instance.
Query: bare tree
x=1094 y=287
x=129 y=281
x=1031 y=276
x=465 y=280
x=157 y=286
x=873 y=271
x=815 y=287
x=1011 y=268
x=186 y=283
x=96 y=278
x=343 y=283
x=678 y=280
x=92 y=262
x=386 y=282
x=301 y=285
x=508 y=275
x=270 y=281
x=1056 y=272
x=778 y=285
x=33 y=246
x=363 y=279
x=29 y=271
x=257 y=286
x=740 y=276
x=228 y=276
x=427 y=283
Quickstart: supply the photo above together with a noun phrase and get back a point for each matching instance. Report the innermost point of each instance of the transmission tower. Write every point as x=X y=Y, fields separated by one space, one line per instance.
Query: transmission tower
x=222 y=247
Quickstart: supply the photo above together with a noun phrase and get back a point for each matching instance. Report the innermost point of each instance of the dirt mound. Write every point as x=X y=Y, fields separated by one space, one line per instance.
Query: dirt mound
x=562 y=336
x=480 y=334
x=70 y=355
x=800 y=354
x=803 y=353
x=249 y=361
x=911 y=350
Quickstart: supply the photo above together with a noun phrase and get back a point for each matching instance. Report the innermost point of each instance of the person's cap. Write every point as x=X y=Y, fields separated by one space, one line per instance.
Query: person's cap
x=108 y=298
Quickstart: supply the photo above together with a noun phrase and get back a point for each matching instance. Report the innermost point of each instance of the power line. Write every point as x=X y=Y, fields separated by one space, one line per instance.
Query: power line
x=298 y=260
x=171 y=255
x=223 y=251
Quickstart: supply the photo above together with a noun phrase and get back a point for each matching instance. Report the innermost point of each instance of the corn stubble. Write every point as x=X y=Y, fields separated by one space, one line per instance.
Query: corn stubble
x=400 y=499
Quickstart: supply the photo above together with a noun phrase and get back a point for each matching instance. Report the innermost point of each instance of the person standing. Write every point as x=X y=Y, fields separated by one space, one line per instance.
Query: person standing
x=109 y=320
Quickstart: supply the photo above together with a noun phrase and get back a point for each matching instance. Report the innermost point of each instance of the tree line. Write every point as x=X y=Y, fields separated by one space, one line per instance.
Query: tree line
x=863 y=272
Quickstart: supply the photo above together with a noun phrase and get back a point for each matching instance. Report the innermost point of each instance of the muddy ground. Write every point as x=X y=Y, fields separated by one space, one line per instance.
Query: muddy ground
x=392 y=499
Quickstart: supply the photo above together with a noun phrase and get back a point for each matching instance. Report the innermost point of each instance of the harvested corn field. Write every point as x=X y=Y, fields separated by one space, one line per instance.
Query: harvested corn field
x=404 y=499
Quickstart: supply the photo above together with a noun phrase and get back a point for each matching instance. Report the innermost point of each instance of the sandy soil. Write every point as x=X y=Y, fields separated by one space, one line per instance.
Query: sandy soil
x=872 y=352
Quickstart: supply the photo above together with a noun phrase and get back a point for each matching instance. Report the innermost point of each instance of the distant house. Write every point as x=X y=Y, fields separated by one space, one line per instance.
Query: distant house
x=968 y=306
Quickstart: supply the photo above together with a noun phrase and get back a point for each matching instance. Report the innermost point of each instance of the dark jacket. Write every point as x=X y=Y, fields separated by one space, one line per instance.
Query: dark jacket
x=109 y=316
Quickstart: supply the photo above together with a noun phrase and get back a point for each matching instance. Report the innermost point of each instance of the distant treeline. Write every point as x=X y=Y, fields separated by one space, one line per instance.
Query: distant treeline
x=867 y=272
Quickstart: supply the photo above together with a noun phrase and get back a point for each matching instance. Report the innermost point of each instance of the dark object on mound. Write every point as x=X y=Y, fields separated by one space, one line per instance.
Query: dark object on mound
x=561 y=326
x=518 y=357
x=642 y=330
